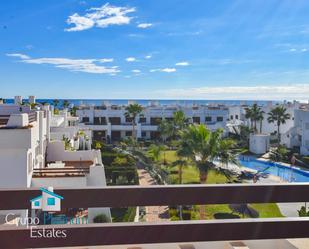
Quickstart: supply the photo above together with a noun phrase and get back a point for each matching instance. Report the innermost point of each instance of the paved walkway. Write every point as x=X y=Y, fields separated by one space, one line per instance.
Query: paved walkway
x=152 y=213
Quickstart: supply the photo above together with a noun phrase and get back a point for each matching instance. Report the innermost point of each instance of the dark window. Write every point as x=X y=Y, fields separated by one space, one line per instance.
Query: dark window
x=115 y=120
x=96 y=120
x=116 y=135
x=208 y=119
x=85 y=119
x=129 y=120
x=169 y=119
x=155 y=121
x=128 y=133
x=236 y=116
x=142 y=120
x=99 y=120
x=144 y=134
x=196 y=120
x=219 y=119
x=232 y=117
x=99 y=135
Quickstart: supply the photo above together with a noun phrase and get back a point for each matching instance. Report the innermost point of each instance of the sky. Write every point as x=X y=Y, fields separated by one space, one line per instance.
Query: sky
x=155 y=49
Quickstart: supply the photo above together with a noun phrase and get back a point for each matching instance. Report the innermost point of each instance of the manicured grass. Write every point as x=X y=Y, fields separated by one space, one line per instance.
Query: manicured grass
x=267 y=210
x=191 y=176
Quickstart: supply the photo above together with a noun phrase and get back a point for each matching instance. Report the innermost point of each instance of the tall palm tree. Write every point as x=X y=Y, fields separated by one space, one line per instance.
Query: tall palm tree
x=55 y=102
x=65 y=103
x=203 y=146
x=254 y=113
x=279 y=116
x=260 y=118
x=179 y=121
x=166 y=130
x=184 y=154
x=132 y=111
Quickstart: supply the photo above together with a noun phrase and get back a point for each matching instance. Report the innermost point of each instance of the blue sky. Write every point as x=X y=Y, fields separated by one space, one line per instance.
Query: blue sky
x=172 y=49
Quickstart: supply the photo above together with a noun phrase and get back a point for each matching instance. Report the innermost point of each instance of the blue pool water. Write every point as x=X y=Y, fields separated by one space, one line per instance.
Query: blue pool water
x=286 y=173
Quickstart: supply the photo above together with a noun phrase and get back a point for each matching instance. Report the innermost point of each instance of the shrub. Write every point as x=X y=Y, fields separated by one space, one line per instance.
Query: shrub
x=101 y=218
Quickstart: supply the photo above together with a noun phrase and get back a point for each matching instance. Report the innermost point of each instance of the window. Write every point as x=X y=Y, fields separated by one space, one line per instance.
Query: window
x=143 y=133
x=129 y=120
x=232 y=117
x=196 y=120
x=219 y=119
x=142 y=120
x=51 y=201
x=128 y=133
x=208 y=119
x=236 y=116
x=37 y=203
x=85 y=120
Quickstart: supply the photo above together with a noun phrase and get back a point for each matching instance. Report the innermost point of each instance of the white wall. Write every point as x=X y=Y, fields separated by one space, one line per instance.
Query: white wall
x=56 y=152
x=258 y=143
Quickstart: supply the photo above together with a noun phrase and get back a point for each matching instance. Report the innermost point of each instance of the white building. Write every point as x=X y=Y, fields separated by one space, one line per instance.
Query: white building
x=30 y=151
x=109 y=121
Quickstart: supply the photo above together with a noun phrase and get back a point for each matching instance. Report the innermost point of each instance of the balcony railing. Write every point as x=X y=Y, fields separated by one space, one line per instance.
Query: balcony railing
x=165 y=232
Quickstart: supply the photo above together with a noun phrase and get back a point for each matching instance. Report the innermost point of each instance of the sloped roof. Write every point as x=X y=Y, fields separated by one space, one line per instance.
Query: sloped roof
x=51 y=193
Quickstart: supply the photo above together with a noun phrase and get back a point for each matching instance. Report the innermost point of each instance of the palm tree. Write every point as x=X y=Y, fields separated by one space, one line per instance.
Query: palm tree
x=65 y=104
x=179 y=122
x=254 y=114
x=183 y=154
x=203 y=146
x=132 y=111
x=154 y=151
x=260 y=118
x=166 y=130
x=279 y=116
x=55 y=102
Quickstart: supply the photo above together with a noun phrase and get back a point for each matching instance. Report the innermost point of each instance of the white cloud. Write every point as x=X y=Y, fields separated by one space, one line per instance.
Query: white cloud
x=130 y=59
x=182 y=63
x=21 y=56
x=101 y=17
x=148 y=57
x=165 y=70
x=76 y=65
x=105 y=60
x=144 y=25
x=275 y=92
x=136 y=71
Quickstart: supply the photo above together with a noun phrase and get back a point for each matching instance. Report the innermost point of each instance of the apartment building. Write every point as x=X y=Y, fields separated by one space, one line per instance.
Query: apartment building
x=108 y=122
x=32 y=153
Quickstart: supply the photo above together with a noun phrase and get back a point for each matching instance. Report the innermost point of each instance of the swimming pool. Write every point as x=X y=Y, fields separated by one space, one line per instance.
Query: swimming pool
x=286 y=173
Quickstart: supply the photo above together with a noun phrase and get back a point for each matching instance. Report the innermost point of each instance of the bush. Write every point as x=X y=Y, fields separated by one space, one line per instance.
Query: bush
x=101 y=218
x=175 y=218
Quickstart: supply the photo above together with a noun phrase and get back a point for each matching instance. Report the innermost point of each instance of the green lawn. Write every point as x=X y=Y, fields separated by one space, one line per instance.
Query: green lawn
x=191 y=176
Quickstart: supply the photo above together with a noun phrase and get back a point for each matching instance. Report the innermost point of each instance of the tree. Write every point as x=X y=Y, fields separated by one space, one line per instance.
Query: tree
x=179 y=121
x=260 y=118
x=65 y=104
x=154 y=151
x=255 y=114
x=278 y=115
x=280 y=154
x=55 y=102
x=203 y=146
x=132 y=111
x=166 y=130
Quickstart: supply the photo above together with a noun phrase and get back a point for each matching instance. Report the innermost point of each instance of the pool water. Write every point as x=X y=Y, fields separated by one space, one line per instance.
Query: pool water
x=284 y=172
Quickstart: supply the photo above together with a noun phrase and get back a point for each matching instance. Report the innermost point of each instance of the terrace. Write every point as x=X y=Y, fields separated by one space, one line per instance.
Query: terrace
x=163 y=232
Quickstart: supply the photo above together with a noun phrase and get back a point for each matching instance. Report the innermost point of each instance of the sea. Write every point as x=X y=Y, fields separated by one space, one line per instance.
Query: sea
x=145 y=102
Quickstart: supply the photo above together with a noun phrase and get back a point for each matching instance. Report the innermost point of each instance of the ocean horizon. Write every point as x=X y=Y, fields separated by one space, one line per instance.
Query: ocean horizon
x=145 y=102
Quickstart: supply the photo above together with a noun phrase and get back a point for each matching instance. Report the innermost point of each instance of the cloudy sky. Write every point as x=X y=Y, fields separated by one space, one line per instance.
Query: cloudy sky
x=155 y=49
